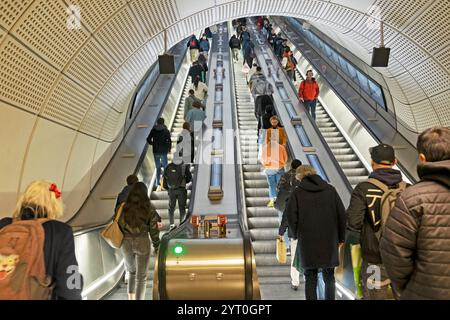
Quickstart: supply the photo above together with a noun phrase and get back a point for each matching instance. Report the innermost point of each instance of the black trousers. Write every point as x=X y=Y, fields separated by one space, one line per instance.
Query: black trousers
x=311 y=283
x=179 y=195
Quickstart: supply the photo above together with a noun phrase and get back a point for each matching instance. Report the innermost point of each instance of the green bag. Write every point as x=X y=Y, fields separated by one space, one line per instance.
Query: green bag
x=356 y=264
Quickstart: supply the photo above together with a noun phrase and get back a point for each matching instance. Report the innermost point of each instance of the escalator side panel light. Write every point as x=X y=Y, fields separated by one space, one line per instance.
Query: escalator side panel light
x=315 y=163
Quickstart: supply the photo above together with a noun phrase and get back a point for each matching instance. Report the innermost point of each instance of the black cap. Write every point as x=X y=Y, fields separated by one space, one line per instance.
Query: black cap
x=383 y=154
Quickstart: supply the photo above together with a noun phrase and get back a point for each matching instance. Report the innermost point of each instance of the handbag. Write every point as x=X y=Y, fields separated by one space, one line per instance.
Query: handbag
x=112 y=233
x=281 y=250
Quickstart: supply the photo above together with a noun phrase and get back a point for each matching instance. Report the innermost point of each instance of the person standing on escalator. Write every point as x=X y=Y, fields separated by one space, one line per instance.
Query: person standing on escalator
x=309 y=93
x=273 y=158
x=161 y=141
x=137 y=220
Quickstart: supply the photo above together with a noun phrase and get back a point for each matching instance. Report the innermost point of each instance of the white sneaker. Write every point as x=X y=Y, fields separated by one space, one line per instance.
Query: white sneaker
x=172 y=226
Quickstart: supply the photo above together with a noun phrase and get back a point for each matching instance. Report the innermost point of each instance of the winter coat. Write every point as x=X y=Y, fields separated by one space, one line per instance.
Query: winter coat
x=415 y=245
x=274 y=157
x=204 y=45
x=197 y=70
x=148 y=225
x=309 y=90
x=194 y=116
x=189 y=104
x=59 y=256
x=359 y=223
x=234 y=43
x=160 y=139
x=317 y=217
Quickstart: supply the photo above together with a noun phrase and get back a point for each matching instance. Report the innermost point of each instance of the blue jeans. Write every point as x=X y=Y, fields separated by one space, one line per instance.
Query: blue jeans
x=160 y=161
x=273 y=177
x=311 y=106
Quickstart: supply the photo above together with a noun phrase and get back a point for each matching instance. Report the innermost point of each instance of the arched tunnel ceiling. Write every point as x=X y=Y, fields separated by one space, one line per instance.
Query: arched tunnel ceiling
x=82 y=79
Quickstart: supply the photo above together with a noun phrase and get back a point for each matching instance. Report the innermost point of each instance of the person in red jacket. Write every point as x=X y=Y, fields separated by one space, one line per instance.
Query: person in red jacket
x=309 y=92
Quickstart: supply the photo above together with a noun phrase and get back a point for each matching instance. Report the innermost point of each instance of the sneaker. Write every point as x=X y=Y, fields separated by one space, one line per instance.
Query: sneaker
x=288 y=251
x=271 y=204
x=295 y=288
x=172 y=226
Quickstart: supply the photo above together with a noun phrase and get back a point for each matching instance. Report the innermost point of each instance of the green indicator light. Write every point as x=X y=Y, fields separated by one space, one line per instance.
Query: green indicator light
x=178 y=249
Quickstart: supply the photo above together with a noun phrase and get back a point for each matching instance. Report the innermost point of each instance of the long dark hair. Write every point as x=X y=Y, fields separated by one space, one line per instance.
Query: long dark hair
x=196 y=81
x=137 y=206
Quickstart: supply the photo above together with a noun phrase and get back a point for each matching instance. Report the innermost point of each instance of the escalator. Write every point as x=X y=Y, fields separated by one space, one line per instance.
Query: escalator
x=160 y=200
x=262 y=221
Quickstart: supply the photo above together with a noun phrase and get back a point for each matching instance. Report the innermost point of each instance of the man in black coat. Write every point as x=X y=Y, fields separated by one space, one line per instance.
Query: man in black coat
x=317 y=217
x=161 y=141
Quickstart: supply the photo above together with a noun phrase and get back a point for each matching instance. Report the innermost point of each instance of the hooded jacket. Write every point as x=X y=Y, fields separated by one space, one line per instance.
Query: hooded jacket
x=160 y=139
x=415 y=245
x=317 y=217
x=359 y=221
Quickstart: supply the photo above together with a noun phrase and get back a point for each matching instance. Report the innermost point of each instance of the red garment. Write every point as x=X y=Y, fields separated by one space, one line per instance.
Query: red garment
x=309 y=90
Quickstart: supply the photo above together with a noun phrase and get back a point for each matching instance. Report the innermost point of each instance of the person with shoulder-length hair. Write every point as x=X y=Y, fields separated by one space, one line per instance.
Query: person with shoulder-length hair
x=42 y=200
x=138 y=219
x=316 y=216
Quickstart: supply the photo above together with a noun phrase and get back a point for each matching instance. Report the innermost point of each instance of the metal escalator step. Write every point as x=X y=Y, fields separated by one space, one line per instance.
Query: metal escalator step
x=355 y=172
x=338 y=145
x=257 y=192
x=331 y=134
x=263 y=222
x=262 y=212
x=346 y=157
x=334 y=139
x=254 y=176
x=340 y=151
x=269 y=259
x=264 y=234
x=325 y=124
x=252 y=168
x=350 y=164
x=281 y=270
x=329 y=129
x=163 y=204
x=264 y=246
x=163 y=195
x=249 y=148
x=255 y=183
x=257 y=201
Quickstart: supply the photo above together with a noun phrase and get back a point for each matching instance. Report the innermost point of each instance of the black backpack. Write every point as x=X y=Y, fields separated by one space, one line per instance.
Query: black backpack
x=175 y=175
x=235 y=42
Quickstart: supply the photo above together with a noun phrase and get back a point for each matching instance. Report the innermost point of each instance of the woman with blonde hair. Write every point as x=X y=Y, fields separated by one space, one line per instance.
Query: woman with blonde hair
x=317 y=218
x=42 y=201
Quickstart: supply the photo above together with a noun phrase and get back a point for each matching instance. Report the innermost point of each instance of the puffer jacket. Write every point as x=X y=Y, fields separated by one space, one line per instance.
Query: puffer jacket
x=415 y=246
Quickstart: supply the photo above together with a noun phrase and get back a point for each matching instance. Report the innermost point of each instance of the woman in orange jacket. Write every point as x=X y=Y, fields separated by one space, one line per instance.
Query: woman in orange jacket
x=274 y=158
x=309 y=92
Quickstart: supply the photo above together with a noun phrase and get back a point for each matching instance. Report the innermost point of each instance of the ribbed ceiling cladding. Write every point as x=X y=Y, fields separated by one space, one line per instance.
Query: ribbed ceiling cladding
x=400 y=13
x=43 y=27
x=25 y=79
x=112 y=89
x=370 y=29
x=431 y=28
x=344 y=17
x=121 y=29
x=94 y=13
x=431 y=77
x=424 y=114
x=68 y=103
x=406 y=118
x=92 y=66
x=95 y=118
x=2 y=35
x=11 y=10
x=444 y=58
x=441 y=105
x=410 y=87
x=406 y=51
x=155 y=14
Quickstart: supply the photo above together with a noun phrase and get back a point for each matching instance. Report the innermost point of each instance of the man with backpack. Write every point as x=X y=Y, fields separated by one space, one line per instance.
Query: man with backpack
x=289 y=63
x=176 y=176
x=161 y=141
x=370 y=205
x=262 y=91
x=235 y=46
x=194 y=48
